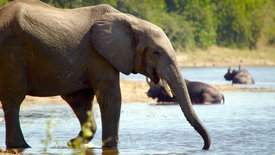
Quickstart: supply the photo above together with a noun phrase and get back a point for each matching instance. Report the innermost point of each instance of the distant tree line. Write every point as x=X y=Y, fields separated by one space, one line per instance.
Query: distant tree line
x=199 y=23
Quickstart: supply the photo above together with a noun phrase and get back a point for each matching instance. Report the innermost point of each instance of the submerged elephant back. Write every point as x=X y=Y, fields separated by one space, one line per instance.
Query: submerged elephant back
x=202 y=93
x=243 y=77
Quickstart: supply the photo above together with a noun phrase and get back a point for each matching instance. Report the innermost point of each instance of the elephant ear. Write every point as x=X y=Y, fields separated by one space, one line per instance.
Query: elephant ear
x=113 y=38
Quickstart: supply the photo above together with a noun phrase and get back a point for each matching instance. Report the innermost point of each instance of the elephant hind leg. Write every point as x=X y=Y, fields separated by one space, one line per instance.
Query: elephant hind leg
x=14 y=135
x=206 y=98
x=81 y=103
x=209 y=98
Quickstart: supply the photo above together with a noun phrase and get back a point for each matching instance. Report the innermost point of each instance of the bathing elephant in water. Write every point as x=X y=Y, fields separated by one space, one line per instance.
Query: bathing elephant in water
x=78 y=54
x=200 y=93
x=240 y=76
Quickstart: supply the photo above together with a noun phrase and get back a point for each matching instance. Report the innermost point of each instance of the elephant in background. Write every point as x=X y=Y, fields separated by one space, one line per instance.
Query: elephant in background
x=200 y=93
x=78 y=54
x=240 y=76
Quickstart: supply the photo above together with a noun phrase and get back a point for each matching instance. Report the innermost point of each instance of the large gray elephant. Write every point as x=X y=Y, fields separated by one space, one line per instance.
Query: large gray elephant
x=78 y=53
x=200 y=93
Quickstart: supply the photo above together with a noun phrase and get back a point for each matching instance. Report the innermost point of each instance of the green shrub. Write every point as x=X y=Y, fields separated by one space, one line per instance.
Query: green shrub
x=4 y=2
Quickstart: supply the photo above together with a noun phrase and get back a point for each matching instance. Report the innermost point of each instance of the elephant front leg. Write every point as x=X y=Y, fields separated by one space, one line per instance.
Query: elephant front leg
x=14 y=135
x=81 y=103
x=109 y=98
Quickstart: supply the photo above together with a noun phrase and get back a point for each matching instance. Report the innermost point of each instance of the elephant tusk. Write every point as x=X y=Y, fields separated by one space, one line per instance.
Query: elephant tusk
x=147 y=80
x=167 y=88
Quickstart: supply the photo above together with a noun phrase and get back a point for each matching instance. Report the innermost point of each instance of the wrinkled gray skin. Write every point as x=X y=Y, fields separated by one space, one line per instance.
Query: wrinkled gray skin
x=240 y=76
x=200 y=93
x=78 y=54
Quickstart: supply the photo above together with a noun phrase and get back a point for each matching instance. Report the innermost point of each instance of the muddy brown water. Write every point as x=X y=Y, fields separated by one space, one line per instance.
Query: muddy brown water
x=245 y=124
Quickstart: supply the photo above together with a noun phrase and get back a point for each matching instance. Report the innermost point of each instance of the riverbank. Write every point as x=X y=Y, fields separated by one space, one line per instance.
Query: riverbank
x=132 y=92
x=221 y=56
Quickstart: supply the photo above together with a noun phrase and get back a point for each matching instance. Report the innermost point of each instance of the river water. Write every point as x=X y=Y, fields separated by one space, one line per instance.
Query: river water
x=245 y=124
x=264 y=76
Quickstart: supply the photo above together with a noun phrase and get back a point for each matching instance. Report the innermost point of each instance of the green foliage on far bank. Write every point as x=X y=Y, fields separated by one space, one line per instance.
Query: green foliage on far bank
x=199 y=23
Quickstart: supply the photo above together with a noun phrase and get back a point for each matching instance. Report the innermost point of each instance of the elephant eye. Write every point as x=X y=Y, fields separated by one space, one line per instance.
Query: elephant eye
x=156 y=53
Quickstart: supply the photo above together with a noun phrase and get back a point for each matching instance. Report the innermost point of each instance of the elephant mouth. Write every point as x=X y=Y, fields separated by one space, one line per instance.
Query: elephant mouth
x=155 y=77
x=164 y=83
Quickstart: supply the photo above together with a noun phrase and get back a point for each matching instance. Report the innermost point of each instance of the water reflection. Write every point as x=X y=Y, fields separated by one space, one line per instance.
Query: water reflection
x=104 y=151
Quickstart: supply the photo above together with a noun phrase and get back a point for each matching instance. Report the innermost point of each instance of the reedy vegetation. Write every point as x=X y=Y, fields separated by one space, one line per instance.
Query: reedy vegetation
x=189 y=24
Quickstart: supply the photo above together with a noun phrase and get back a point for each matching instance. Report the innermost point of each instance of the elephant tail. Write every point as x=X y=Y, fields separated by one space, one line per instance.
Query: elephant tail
x=223 y=100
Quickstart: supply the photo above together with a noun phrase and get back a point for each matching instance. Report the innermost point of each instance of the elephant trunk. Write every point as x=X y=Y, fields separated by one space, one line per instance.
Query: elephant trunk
x=178 y=86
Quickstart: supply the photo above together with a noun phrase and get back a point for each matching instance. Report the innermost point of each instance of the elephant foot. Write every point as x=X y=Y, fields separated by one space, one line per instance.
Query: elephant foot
x=23 y=146
x=78 y=141
x=109 y=143
x=107 y=146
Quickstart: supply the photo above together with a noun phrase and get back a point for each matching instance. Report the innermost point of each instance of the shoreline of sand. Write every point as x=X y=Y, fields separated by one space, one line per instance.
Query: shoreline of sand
x=133 y=92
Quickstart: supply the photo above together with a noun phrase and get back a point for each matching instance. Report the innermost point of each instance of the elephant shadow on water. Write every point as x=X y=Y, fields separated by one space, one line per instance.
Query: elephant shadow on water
x=78 y=54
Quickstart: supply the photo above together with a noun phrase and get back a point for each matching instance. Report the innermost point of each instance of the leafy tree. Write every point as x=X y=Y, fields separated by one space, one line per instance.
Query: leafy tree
x=266 y=34
x=4 y=2
x=65 y=3
x=96 y=2
x=179 y=31
x=146 y=9
x=239 y=22
x=201 y=15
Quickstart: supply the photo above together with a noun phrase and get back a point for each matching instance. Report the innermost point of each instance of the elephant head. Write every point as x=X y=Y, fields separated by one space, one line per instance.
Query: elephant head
x=132 y=45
